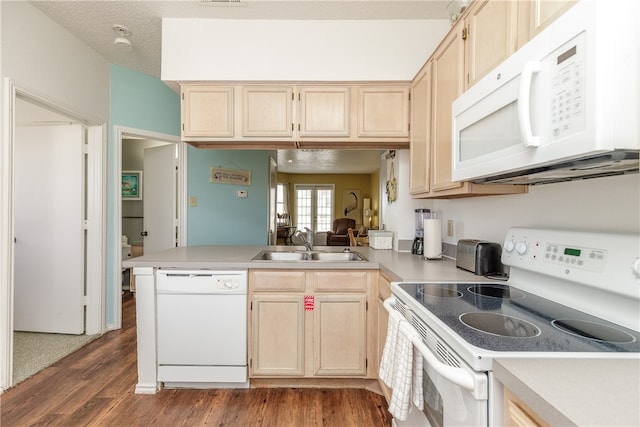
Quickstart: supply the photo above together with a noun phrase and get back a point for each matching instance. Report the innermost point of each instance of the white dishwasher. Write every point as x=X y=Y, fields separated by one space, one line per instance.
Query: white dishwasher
x=202 y=328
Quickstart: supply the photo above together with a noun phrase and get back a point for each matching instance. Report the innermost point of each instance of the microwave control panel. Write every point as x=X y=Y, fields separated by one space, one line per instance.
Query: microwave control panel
x=567 y=66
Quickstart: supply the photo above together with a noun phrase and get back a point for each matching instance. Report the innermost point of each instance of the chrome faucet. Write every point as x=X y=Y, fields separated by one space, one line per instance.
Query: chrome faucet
x=307 y=238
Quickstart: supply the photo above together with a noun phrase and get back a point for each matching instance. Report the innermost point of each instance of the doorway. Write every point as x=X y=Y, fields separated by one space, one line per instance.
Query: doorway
x=139 y=152
x=52 y=223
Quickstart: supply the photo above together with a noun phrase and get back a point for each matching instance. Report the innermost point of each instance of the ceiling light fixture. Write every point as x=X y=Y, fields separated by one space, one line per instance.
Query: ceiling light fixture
x=121 y=41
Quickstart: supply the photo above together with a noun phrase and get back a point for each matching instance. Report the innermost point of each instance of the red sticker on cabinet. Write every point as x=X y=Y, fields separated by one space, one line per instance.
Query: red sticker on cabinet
x=308 y=302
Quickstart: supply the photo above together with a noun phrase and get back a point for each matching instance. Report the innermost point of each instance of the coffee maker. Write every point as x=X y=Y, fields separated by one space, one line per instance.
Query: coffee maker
x=418 y=242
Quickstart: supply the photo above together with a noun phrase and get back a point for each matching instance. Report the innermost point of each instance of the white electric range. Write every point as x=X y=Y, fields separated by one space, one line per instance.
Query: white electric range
x=570 y=294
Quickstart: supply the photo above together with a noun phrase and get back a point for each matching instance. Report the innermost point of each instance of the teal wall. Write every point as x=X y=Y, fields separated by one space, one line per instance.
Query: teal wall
x=220 y=216
x=142 y=102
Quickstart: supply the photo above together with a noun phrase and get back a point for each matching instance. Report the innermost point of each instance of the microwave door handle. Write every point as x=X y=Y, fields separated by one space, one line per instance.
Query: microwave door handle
x=458 y=376
x=524 y=110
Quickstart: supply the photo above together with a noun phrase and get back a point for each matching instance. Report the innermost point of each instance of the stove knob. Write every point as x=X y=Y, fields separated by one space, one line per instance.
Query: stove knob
x=522 y=248
x=509 y=245
x=635 y=268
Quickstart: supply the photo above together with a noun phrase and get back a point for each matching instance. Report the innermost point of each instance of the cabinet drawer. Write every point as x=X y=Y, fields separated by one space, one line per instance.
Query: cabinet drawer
x=340 y=281
x=277 y=281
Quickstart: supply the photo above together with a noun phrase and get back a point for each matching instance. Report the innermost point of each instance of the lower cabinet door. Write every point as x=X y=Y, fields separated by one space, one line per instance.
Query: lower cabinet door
x=340 y=331
x=278 y=335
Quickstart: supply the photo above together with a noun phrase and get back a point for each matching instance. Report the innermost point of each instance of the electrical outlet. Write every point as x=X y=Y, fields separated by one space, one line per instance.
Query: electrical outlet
x=193 y=201
x=450 y=228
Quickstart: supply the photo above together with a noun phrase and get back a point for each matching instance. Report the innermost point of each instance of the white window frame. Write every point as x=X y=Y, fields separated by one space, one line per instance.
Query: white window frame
x=314 y=208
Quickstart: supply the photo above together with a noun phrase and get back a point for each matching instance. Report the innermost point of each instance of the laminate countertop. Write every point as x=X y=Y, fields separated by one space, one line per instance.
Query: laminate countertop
x=575 y=392
x=397 y=266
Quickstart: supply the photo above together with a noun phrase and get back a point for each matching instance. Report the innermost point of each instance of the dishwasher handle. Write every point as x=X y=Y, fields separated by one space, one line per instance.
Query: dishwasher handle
x=201 y=282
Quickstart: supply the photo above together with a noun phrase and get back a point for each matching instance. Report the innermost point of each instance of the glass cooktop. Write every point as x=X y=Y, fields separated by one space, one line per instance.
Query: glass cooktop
x=498 y=317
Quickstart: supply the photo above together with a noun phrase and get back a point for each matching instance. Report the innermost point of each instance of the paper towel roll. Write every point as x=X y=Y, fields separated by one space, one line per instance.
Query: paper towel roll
x=432 y=238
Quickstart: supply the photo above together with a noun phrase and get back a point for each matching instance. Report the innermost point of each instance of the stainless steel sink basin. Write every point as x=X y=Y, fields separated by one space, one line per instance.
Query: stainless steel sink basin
x=337 y=256
x=308 y=256
x=283 y=256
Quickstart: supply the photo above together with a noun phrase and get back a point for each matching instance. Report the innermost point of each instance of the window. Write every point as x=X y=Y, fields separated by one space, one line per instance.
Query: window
x=314 y=207
x=282 y=204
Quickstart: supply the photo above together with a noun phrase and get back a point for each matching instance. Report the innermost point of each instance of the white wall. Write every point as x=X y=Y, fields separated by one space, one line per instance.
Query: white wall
x=45 y=60
x=399 y=216
x=210 y=49
x=39 y=55
x=603 y=204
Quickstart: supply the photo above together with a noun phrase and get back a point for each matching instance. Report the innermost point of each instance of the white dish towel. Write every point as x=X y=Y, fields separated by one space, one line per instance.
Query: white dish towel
x=401 y=367
x=387 y=363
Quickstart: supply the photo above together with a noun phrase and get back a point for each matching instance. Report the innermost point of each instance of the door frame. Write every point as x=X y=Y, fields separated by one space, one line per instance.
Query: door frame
x=120 y=133
x=96 y=225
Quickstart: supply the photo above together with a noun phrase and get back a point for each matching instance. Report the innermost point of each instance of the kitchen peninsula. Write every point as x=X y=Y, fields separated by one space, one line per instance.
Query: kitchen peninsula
x=340 y=286
x=380 y=266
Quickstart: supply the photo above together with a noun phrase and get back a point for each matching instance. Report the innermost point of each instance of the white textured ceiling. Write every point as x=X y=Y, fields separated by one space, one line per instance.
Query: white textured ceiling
x=92 y=22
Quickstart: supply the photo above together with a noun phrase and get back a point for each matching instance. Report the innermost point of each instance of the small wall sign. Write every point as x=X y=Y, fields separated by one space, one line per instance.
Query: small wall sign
x=229 y=176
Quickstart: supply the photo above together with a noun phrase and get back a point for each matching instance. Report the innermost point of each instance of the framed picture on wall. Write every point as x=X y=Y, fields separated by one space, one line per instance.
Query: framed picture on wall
x=131 y=185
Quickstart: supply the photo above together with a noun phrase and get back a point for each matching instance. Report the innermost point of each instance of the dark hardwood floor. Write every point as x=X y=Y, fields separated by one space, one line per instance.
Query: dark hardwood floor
x=95 y=386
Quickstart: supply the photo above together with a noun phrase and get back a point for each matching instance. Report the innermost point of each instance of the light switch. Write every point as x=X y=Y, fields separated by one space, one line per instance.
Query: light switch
x=193 y=201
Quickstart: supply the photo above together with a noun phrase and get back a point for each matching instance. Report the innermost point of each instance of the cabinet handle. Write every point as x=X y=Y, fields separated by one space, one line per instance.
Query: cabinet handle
x=465 y=32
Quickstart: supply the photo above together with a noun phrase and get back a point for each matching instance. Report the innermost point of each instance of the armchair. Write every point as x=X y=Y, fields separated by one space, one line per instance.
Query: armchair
x=338 y=235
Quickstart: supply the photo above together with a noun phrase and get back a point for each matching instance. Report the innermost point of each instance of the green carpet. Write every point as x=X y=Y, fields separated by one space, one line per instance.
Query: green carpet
x=34 y=351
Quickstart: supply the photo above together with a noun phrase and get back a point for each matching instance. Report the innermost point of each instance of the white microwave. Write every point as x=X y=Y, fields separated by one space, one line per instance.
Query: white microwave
x=564 y=106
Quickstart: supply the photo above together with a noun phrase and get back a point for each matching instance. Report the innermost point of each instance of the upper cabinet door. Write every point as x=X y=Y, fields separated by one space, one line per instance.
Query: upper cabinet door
x=383 y=111
x=536 y=15
x=420 y=138
x=324 y=111
x=267 y=111
x=207 y=111
x=490 y=36
x=448 y=79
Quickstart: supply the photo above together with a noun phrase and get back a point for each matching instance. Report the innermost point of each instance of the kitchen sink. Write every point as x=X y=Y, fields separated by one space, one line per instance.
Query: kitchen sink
x=337 y=256
x=308 y=256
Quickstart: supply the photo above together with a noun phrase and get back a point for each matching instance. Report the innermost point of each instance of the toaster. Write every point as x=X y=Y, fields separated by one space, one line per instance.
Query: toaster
x=479 y=256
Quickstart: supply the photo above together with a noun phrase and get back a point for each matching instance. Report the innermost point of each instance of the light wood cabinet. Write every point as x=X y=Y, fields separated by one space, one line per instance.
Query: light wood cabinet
x=447 y=85
x=278 y=335
x=207 y=111
x=518 y=414
x=536 y=15
x=383 y=111
x=289 y=115
x=384 y=292
x=324 y=111
x=340 y=335
x=267 y=111
x=420 y=131
x=447 y=69
x=311 y=323
x=490 y=36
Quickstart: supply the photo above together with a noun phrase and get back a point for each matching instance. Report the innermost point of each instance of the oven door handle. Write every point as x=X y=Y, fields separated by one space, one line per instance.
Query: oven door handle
x=458 y=376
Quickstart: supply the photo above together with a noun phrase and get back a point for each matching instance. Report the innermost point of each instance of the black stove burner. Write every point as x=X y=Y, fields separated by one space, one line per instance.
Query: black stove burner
x=492 y=315
x=499 y=324
x=593 y=331
x=440 y=291
x=496 y=291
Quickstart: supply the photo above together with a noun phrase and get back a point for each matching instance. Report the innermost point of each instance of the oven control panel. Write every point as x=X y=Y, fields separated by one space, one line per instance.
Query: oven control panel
x=604 y=260
x=574 y=256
